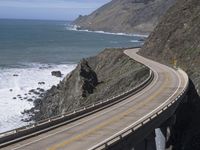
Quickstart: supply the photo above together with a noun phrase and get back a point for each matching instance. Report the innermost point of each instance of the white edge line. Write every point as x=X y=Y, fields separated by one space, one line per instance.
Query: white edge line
x=135 y=96
x=127 y=128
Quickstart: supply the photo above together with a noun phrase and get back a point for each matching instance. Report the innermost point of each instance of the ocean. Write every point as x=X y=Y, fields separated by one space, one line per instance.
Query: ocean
x=31 y=49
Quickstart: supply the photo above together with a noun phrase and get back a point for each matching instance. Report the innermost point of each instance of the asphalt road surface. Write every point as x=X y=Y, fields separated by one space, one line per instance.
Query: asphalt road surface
x=87 y=132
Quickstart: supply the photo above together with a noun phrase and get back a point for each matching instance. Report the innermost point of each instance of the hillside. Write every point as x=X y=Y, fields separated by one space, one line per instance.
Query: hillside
x=100 y=77
x=127 y=16
x=177 y=37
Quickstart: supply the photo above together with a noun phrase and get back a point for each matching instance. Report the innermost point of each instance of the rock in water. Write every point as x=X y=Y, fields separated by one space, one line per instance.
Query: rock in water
x=41 y=83
x=56 y=74
x=15 y=75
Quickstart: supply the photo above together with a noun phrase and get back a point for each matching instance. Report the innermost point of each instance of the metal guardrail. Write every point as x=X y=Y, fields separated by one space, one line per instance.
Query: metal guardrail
x=131 y=129
x=22 y=133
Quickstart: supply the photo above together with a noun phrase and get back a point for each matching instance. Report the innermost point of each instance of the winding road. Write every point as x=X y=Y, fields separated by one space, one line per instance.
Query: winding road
x=90 y=131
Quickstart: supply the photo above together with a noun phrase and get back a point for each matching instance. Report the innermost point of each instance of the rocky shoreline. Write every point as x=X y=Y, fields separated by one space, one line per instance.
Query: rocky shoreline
x=125 y=16
x=33 y=94
x=100 y=77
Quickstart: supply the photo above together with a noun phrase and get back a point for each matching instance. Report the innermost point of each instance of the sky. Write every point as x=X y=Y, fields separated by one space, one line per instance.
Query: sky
x=48 y=9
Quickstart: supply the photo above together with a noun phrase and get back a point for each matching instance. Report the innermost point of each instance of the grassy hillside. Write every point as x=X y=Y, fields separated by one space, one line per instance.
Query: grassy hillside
x=128 y=16
x=177 y=37
x=96 y=78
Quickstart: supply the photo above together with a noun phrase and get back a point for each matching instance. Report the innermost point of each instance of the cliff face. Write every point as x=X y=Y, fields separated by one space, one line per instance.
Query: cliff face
x=127 y=16
x=108 y=74
x=176 y=38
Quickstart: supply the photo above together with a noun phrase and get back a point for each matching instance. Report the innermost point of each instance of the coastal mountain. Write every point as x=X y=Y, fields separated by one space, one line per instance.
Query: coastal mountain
x=176 y=38
x=176 y=41
x=127 y=16
x=96 y=78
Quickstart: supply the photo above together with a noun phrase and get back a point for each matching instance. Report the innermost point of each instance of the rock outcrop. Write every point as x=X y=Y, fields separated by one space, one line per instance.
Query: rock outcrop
x=88 y=77
x=176 y=40
x=56 y=74
x=127 y=16
x=108 y=74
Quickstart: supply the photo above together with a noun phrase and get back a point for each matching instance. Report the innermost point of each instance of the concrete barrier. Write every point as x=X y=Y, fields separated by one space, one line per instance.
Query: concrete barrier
x=31 y=130
x=153 y=119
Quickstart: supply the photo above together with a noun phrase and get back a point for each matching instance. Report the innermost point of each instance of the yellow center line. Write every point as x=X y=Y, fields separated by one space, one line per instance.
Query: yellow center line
x=114 y=119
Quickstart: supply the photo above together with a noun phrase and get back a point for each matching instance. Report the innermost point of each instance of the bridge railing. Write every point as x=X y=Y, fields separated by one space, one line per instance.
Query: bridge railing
x=141 y=122
x=33 y=129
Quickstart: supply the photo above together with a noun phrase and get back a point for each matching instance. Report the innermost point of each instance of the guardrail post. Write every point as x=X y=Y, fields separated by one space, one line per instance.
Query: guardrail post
x=26 y=130
x=106 y=145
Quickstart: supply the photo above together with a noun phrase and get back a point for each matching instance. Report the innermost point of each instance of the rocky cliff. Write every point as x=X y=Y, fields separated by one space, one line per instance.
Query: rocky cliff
x=127 y=16
x=108 y=74
x=176 y=40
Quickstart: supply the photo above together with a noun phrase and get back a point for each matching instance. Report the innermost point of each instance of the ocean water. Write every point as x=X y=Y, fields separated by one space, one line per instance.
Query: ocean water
x=31 y=49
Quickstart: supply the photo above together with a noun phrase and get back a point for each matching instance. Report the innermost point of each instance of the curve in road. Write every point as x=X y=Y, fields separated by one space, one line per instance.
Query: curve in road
x=94 y=130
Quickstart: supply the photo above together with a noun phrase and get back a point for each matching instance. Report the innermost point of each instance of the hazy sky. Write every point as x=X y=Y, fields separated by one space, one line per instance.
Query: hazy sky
x=48 y=9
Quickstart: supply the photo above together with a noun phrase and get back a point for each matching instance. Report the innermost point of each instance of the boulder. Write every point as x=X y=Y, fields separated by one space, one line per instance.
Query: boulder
x=56 y=74
x=30 y=100
x=88 y=77
x=15 y=75
x=41 y=83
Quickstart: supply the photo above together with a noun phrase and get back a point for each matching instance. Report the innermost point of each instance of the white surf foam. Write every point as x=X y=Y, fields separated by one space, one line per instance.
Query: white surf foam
x=26 y=79
x=134 y=41
x=76 y=28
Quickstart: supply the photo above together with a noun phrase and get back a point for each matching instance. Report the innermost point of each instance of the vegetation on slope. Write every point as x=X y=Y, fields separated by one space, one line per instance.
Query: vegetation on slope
x=177 y=37
x=108 y=74
x=127 y=16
